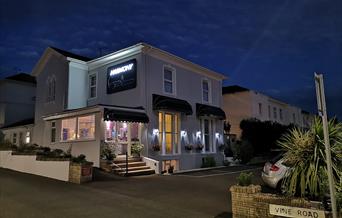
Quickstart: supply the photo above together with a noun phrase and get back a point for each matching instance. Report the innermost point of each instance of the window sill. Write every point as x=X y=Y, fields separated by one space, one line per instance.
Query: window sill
x=78 y=140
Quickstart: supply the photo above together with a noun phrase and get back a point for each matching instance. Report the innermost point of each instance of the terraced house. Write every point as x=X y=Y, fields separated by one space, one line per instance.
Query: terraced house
x=139 y=94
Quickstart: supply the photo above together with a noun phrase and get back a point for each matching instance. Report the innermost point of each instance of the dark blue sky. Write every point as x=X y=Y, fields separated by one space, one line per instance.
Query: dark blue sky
x=271 y=46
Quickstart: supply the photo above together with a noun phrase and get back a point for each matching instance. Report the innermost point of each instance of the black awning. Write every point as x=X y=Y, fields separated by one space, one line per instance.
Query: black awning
x=207 y=110
x=125 y=115
x=166 y=103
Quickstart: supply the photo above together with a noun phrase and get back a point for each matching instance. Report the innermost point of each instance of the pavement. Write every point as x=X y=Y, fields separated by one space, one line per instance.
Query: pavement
x=193 y=194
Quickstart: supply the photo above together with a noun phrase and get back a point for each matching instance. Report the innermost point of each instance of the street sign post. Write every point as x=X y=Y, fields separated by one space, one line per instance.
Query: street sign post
x=322 y=111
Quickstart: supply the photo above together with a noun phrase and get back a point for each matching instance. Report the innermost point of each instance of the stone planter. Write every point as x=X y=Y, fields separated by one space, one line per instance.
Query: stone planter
x=80 y=173
x=106 y=165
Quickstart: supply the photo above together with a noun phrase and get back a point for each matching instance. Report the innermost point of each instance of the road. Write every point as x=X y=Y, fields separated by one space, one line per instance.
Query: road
x=197 y=194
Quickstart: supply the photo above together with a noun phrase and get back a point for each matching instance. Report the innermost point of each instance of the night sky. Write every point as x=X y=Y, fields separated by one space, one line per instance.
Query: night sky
x=270 y=46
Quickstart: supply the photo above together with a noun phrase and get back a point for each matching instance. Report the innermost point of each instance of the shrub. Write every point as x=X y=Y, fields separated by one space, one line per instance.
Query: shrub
x=107 y=152
x=137 y=148
x=7 y=145
x=305 y=154
x=79 y=159
x=242 y=151
x=245 y=179
x=208 y=162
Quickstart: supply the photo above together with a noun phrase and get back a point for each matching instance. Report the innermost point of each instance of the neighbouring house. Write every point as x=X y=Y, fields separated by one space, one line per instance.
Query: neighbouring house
x=242 y=103
x=140 y=94
x=17 y=101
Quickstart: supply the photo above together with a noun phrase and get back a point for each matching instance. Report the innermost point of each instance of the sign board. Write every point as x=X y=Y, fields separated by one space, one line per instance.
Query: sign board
x=286 y=211
x=122 y=76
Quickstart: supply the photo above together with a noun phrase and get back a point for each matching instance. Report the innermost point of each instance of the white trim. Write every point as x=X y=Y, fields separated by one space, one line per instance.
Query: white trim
x=72 y=114
x=174 y=84
x=89 y=85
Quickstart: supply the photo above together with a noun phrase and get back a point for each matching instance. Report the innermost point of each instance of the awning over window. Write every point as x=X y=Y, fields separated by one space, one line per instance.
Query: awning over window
x=125 y=115
x=166 y=103
x=206 y=110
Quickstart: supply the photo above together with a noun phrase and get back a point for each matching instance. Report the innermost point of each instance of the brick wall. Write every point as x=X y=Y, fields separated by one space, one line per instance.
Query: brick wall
x=248 y=201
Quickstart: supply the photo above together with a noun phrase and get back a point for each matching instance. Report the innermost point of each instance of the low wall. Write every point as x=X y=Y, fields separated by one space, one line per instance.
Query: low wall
x=28 y=164
x=248 y=201
x=153 y=164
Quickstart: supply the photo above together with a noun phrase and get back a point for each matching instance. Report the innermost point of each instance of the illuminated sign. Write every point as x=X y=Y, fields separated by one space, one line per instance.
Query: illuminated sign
x=122 y=76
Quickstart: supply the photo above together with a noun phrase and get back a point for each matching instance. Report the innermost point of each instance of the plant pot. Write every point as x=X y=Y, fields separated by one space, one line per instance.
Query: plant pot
x=135 y=155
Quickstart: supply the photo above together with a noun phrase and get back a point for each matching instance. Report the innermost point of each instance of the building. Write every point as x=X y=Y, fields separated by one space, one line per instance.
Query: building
x=139 y=94
x=17 y=100
x=242 y=103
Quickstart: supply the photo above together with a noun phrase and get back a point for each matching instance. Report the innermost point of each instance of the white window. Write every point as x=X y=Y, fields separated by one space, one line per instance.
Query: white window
x=206 y=91
x=92 y=85
x=208 y=129
x=169 y=132
x=53 y=131
x=51 y=83
x=14 y=138
x=169 y=81
x=21 y=138
x=86 y=127
x=269 y=112
x=280 y=114
x=82 y=128
x=275 y=113
x=260 y=109
x=28 y=137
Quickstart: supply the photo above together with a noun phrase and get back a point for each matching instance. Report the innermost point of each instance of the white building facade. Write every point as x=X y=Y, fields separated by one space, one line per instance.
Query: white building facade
x=139 y=94
x=242 y=103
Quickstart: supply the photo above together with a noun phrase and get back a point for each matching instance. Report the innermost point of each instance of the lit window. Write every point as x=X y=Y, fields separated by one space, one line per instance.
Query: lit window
x=28 y=137
x=260 y=109
x=169 y=78
x=275 y=113
x=169 y=132
x=205 y=91
x=92 y=86
x=14 y=138
x=53 y=131
x=68 y=129
x=86 y=127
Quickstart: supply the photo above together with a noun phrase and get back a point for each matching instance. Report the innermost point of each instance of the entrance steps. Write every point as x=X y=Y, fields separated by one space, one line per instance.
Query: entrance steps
x=136 y=167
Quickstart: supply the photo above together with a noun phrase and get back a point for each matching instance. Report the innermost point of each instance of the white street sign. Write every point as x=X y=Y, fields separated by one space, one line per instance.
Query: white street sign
x=297 y=212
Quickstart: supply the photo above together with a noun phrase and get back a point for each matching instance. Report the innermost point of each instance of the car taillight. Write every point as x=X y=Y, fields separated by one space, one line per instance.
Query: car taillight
x=274 y=168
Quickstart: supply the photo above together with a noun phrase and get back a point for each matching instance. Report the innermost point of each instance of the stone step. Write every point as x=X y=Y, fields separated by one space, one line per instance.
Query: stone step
x=139 y=172
x=131 y=164
x=123 y=160
x=131 y=169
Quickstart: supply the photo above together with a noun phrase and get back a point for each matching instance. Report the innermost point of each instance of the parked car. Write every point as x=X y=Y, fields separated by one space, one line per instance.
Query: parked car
x=274 y=171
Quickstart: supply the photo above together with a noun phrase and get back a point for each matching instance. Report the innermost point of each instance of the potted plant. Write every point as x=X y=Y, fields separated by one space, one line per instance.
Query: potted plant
x=136 y=149
x=170 y=170
x=156 y=147
x=199 y=147
x=107 y=157
x=188 y=147
x=80 y=170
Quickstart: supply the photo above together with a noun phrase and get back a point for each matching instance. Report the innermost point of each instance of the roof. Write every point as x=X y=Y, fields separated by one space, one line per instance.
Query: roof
x=233 y=89
x=71 y=55
x=19 y=123
x=22 y=77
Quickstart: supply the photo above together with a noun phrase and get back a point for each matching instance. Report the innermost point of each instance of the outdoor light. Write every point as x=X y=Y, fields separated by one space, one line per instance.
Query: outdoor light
x=217 y=135
x=155 y=131
x=107 y=124
x=183 y=133
x=198 y=134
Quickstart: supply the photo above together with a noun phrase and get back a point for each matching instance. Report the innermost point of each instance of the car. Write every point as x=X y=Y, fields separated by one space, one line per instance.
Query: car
x=274 y=171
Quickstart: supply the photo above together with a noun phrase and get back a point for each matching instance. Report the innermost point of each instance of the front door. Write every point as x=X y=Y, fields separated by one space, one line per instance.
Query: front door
x=122 y=135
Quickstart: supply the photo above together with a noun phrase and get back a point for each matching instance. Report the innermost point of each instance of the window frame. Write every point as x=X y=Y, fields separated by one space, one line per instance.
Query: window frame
x=51 y=87
x=211 y=134
x=260 y=108
x=173 y=81
x=175 y=133
x=14 y=138
x=27 y=137
x=77 y=138
x=92 y=86
x=209 y=91
x=275 y=116
x=53 y=127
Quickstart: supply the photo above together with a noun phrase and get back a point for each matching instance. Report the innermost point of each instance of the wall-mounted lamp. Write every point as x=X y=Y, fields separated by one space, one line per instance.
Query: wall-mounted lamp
x=217 y=135
x=155 y=131
x=198 y=134
x=183 y=133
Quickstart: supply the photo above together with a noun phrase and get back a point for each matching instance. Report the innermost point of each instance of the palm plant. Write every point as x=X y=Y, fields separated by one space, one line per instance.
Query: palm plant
x=305 y=154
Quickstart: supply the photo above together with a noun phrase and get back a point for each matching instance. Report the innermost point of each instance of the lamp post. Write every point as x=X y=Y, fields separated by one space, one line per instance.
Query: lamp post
x=322 y=111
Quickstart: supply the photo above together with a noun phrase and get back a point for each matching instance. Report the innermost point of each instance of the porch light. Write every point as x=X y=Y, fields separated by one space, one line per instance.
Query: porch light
x=183 y=133
x=155 y=131
x=217 y=135
x=198 y=134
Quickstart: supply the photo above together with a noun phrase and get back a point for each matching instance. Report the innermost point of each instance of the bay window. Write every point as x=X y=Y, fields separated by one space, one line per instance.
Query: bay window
x=169 y=132
x=77 y=128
